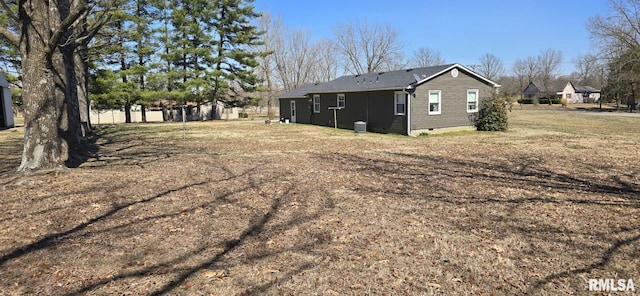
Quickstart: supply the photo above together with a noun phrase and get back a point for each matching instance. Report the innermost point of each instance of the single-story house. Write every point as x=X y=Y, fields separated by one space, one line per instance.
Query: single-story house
x=533 y=91
x=580 y=94
x=6 y=107
x=408 y=101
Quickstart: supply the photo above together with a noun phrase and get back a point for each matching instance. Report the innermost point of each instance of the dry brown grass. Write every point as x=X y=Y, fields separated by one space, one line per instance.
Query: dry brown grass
x=249 y=209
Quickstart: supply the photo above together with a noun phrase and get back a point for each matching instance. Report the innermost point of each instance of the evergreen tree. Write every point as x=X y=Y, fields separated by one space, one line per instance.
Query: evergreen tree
x=235 y=37
x=146 y=14
x=192 y=50
x=127 y=45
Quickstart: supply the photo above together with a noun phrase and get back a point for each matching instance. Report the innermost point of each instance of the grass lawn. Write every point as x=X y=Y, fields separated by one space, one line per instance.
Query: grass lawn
x=242 y=208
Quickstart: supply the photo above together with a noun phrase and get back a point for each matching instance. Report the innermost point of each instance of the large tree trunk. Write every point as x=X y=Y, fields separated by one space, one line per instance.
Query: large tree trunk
x=143 y=111
x=127 y=111
x=82 y=78
x=70 y=124
x=67 y=93
x=80 y=56
x=42 y=140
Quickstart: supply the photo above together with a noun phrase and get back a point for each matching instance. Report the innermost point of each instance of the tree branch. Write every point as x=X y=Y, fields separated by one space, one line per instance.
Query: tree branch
x=8 y=11
x=10 y=35
x=103 y=19
x=81 y=11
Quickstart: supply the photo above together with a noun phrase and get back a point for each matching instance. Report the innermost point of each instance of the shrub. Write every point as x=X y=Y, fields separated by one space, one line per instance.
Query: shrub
x=540 y=101
x=492 y=115
x=526 y=101
x=553 y=101
x=243 y=115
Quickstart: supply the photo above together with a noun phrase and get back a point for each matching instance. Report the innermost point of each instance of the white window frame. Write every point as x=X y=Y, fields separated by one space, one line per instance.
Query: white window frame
x=316 y=103
x=341 y=102
x=395 y=102
x=439 y=92
x=477 y=91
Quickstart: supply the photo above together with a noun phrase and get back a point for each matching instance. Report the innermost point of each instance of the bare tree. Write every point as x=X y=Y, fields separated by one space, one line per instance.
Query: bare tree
x=531 y=68
x=519 y=70
x=426 y=57
x=549 y=61
x=618 y=36
x=368 y=47
x=490 y=66
x=618 y=31
x=326 y=61
x=293 y=57
x=265 y=69
x=294 y=60
x=589 y=70
x=509 y=85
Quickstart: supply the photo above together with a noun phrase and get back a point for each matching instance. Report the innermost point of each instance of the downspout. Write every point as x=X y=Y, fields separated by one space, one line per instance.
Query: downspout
x=310 y=106
x=408 y=92
x=367 y=104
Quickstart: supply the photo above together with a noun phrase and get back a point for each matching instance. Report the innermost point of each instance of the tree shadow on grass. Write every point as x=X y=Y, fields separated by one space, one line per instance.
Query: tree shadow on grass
x=446 y=180
x=181 y=266
x=255 y=231
x=10 y=153
x=603 y=261
x=58 y=238
x=126 y=137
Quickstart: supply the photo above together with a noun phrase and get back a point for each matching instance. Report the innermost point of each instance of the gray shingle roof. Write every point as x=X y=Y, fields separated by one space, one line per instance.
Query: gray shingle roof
x=392 y=80
x=399 y=79
x=586 y=89
x=300 y=92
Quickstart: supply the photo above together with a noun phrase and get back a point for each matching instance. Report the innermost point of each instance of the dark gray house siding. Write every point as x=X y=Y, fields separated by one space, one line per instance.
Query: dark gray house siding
x=453 y=101
x=302 y=109
x=372 y=98
x=301 y=97
x=285 y=109
x=373 y=107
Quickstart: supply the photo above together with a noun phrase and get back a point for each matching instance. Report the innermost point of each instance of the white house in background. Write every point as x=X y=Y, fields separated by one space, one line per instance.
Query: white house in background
x=580 y=94
x=6 y=109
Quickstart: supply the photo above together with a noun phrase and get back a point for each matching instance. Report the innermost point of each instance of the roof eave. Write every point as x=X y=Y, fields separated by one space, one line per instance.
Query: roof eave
x=456 y=65
x=358 y=90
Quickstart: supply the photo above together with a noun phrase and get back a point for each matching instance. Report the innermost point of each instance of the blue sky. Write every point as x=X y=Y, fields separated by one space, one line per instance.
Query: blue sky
x=462 y=30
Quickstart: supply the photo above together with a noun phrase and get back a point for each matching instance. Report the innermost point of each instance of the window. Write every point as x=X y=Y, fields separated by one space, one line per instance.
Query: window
x=399 y=103
x=472 y=100
x=316 y=103
x=568 y=96
x=434 y=102
x=341 y=101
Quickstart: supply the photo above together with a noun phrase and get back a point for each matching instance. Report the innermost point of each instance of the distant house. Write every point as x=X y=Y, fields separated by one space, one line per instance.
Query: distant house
x=580 y=94
x=534 y=91
x=6 y=107
x=405 y=101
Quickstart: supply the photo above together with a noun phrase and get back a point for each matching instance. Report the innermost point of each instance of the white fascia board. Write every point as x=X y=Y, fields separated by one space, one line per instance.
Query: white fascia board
x=463 y=68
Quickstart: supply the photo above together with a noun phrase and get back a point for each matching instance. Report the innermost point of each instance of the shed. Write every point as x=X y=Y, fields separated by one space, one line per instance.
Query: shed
x=6 y=108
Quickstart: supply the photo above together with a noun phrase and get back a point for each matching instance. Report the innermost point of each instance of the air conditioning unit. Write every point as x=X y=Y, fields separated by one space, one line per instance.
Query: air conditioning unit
x=360 y=127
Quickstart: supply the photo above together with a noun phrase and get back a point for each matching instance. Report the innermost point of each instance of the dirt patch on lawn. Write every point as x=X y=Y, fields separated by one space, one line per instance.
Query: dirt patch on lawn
x=253 y=209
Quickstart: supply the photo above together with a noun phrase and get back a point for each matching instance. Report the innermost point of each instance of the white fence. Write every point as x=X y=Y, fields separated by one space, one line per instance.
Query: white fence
x=206 y=113
x=117 y=116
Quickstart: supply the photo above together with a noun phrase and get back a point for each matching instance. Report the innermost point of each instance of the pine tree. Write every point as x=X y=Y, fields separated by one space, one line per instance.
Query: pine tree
x=192 y=37
x=128 y=46
x=146 y=14
x=235 y=37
